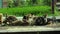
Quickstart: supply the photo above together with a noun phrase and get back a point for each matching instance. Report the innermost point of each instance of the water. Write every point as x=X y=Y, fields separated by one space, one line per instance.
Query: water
x=19 y=18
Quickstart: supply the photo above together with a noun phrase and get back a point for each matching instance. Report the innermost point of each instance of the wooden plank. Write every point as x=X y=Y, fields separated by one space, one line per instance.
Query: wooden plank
x=28 y=29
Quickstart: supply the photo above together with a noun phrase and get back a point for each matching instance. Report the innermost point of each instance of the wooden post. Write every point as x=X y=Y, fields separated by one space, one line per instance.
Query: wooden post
x=53 y=3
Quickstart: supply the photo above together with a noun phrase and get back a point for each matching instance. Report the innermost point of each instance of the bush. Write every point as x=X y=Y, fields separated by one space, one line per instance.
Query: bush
x=37 y=10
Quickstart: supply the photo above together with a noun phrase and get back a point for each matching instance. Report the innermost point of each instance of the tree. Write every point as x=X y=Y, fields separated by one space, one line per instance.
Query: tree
x=47 y=2
x=10 y=3
x=16 y=3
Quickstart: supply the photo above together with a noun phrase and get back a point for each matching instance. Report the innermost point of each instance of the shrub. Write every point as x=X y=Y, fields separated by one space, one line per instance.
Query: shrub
x=20 y=11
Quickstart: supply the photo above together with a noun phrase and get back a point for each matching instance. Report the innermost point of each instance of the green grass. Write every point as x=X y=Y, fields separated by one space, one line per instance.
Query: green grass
x=20 y=11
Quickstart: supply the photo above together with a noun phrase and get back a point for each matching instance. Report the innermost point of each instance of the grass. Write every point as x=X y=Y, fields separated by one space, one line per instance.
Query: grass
x=20 y=11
